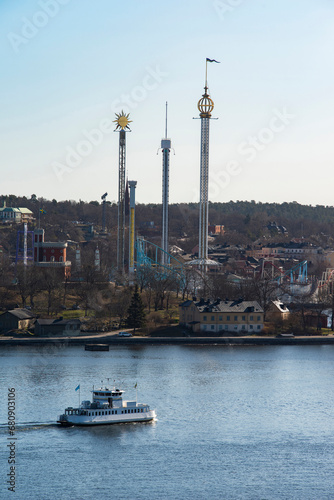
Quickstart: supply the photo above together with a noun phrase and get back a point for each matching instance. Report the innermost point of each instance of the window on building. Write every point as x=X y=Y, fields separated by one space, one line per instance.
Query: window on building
x=251 y=327
x=204 y=318
x=251 y=318
x=258 y=327
x=204 y=327
x=52 y=259
x=235 y=318
x=227 y=318
x=259 y=318
x=220 y=318
x=244 y=318
x=212 y=327
x=212 y=318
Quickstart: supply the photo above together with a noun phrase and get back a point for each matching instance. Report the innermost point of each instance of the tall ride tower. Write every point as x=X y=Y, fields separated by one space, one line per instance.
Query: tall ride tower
x=205 y=106
x=165 y=146
x=132 y=185
x=122 y=121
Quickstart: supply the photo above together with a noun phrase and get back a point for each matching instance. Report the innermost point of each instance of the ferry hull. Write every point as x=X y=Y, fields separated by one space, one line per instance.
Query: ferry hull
x=83 y=421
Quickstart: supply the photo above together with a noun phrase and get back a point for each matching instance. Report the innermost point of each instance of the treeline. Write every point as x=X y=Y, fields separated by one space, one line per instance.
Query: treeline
x=244 y=221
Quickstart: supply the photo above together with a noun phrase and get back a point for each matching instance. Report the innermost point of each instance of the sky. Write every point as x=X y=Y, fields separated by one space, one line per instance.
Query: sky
x=67 y=66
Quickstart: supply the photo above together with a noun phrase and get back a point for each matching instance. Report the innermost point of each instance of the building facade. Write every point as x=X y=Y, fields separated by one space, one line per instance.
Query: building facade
x=11 y=214
x=50 y=254
x=16 y=319
x=219 y=316
x=60 y=326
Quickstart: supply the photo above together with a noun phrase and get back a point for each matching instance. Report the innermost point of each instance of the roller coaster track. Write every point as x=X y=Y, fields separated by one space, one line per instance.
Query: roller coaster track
x=327 y=278
x=163 y=267
x=301 y=267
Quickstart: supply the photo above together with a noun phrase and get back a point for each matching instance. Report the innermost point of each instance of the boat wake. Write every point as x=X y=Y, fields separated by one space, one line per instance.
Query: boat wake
x=26 y=426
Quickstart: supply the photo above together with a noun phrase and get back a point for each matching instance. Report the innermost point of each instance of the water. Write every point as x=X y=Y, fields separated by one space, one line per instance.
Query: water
x=233 y=423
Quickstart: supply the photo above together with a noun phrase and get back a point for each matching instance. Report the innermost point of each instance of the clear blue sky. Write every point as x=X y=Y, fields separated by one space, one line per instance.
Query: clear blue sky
x=68 y=65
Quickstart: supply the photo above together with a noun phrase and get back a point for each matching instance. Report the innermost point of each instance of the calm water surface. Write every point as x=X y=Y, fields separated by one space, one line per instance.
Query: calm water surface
x=233 y=423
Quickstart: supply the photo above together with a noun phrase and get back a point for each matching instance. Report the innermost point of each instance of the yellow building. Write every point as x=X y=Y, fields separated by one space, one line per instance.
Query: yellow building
x=209 y=316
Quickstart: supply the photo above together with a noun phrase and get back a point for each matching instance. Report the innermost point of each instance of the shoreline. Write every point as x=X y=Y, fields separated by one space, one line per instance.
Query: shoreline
x=142 y=341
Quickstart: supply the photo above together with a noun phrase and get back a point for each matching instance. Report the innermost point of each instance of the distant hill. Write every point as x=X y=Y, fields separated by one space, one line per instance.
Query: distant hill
x=244 y=221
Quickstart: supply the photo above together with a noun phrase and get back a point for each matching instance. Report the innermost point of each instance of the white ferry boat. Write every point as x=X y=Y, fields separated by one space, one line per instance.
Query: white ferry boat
x=107 y=407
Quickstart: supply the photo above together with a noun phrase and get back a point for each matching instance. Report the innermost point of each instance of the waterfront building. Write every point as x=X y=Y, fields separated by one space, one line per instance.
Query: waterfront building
x=16 y=319
x=212 y=316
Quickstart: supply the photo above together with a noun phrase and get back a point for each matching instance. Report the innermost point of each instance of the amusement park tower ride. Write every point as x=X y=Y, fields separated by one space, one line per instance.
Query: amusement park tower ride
x=205 y=106
x=165 y=146
x=122 y=121
x=132 y=185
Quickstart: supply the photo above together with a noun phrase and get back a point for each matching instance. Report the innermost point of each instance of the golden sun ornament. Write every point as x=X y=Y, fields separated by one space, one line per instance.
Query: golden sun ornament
x=122 y=121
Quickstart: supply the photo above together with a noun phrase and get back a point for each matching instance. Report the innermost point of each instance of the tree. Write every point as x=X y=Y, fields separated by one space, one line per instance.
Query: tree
x=51 y=283
x=120 y=303
x=136 y=314
x=264 y=290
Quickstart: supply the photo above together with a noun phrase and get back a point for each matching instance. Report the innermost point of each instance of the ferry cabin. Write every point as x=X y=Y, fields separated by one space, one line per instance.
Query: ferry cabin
x=100 y=412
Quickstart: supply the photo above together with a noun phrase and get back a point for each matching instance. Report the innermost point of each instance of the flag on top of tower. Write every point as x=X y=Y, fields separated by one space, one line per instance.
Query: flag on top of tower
x=212 y=60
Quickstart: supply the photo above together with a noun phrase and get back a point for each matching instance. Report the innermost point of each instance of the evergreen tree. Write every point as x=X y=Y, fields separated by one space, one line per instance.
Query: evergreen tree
x=136 y=312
